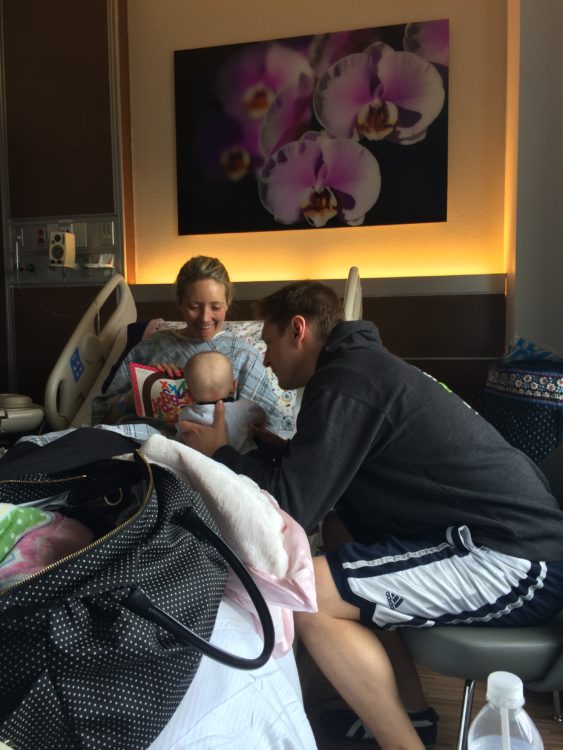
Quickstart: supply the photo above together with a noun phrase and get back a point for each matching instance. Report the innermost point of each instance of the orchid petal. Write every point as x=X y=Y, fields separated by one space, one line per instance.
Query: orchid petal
x=429 y=39
x=341 y=92
x=353 y=174
x=285 y=177
x=326 y=49
x=288 y=114
x=285 y=65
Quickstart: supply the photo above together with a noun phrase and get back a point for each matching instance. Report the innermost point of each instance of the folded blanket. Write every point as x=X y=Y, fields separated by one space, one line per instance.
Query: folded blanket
x=273 y=546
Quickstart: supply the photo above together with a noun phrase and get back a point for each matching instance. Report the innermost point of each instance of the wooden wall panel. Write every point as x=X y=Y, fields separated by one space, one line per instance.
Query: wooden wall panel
x=469 y=325
x=58 y=107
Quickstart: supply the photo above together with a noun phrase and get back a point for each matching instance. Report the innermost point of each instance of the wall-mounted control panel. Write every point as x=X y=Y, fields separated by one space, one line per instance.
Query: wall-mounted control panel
x=53 y=251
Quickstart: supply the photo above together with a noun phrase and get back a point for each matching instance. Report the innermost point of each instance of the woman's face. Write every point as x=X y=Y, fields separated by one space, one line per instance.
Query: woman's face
x=204 y=307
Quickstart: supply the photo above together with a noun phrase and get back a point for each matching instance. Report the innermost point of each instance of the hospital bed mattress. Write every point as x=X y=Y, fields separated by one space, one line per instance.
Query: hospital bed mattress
x=236 y=709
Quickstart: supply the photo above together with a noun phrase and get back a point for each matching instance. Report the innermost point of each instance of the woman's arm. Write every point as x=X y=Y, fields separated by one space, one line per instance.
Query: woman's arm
x=117 y=401
x=254 y=382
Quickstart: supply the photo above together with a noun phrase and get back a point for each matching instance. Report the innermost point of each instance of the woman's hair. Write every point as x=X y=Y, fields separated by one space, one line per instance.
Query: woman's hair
x=316 y=302
x=200 y=268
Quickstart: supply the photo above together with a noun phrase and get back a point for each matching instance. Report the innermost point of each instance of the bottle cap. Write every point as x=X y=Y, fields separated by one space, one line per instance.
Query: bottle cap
x=505 y=690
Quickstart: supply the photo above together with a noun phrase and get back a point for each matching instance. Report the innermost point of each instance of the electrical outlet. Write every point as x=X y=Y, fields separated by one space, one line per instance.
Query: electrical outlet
x=40 y=237
x=107 y=233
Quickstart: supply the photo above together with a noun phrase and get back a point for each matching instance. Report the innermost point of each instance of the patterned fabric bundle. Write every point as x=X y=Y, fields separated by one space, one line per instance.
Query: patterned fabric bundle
x=524 y=401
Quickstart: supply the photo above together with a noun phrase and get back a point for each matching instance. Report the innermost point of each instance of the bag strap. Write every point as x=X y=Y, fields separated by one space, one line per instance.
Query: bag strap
x=139 y=602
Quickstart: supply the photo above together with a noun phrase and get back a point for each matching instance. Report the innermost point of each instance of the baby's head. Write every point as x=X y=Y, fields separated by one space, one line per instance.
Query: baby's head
x=209 y=377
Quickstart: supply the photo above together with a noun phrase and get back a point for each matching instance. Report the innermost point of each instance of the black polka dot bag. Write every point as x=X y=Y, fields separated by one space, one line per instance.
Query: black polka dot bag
x=98 y=648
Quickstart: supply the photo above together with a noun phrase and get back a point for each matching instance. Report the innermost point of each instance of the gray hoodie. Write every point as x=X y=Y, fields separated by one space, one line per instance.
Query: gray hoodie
x=399 y=453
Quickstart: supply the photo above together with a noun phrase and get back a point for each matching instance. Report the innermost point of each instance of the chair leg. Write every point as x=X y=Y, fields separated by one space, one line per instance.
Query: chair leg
x=465 y=717
x=558 y=714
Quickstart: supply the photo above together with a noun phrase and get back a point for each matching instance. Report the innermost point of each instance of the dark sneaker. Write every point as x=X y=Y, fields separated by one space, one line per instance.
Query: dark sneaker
x=343 y=724
x=426 y=725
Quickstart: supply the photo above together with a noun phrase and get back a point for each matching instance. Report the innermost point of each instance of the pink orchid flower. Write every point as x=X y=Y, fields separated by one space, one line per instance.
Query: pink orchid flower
x=317 y=179
x=378 y=94
x=225 y=148
x=249 y=81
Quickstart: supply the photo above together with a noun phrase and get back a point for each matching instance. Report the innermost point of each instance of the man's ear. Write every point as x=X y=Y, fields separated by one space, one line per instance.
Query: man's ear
x=234 y=387
x=298 y=329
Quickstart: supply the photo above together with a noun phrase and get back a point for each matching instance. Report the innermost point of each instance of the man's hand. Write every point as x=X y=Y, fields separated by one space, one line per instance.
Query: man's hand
x=266 y=436
x=205 y=438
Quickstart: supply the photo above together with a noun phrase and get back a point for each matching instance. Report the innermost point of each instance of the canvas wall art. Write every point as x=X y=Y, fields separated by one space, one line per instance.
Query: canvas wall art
x=330 y=130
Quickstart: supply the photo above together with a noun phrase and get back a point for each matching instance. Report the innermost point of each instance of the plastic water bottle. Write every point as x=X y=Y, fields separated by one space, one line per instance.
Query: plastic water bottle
x=503 y=724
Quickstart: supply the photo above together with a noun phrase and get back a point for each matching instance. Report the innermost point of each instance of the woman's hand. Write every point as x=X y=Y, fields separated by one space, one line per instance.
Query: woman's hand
x=171 y=370
x=205 y=438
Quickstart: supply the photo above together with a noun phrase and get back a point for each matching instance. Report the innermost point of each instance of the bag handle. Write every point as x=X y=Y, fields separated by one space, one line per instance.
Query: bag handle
x=139 y=602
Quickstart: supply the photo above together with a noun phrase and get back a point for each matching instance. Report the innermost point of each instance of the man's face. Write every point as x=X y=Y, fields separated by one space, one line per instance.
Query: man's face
x=282 y=355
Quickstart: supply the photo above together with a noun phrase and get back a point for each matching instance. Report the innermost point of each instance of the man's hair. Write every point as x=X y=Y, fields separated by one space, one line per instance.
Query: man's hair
x=316 y=302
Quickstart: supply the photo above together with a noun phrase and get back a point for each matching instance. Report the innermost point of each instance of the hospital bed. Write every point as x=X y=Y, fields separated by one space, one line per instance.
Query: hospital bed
x=94 y=348
x=224 y=707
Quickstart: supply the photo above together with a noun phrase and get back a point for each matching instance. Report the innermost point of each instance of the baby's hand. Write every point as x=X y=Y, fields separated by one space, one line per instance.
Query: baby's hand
x=171 y=370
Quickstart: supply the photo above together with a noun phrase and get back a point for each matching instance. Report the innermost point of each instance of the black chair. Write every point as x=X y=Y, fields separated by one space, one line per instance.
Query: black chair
x=535 y=653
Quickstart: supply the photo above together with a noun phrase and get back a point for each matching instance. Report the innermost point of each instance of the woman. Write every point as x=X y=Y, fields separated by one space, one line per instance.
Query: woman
x=203 y=293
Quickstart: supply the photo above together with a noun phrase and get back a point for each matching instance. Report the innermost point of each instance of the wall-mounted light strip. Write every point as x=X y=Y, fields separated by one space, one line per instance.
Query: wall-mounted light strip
x=392 y=287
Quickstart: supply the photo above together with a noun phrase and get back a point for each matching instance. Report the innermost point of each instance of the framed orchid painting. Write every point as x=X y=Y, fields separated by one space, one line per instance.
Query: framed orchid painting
x=329 y=130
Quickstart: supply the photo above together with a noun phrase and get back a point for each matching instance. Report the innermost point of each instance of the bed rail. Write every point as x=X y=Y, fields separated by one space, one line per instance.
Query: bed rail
x=353 y=295
x=71 y=383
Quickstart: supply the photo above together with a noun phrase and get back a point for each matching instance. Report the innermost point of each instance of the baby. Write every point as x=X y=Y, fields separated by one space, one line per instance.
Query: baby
x=209 y=378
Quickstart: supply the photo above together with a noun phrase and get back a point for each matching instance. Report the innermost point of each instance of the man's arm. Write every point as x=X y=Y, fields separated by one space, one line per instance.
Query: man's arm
x=335 y=432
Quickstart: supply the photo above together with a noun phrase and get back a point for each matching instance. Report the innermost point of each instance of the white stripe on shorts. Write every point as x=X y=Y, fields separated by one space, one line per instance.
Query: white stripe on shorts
x=457 y=588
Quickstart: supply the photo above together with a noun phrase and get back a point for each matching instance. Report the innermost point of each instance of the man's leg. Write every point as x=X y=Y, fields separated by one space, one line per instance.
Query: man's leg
x=354 y=661
x=334 y=535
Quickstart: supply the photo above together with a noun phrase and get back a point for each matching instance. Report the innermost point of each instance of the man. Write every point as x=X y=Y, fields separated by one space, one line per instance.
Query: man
x=439 y=520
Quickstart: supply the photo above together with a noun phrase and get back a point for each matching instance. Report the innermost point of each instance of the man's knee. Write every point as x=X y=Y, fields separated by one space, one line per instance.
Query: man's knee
x=329 y=600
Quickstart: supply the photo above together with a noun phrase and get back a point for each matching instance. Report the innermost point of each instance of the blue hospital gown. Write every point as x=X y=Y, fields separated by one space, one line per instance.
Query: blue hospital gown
x=170 y=347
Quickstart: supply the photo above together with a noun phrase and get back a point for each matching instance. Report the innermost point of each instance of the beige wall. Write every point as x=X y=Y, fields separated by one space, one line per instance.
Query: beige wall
x=537 y=261
x=470 y=242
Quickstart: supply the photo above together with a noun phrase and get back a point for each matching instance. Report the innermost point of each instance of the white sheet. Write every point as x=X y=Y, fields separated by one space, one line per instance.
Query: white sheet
x=236 y=709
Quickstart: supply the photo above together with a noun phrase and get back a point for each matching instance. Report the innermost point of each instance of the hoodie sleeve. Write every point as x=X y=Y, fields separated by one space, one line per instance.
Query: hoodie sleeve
x=335 y=433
